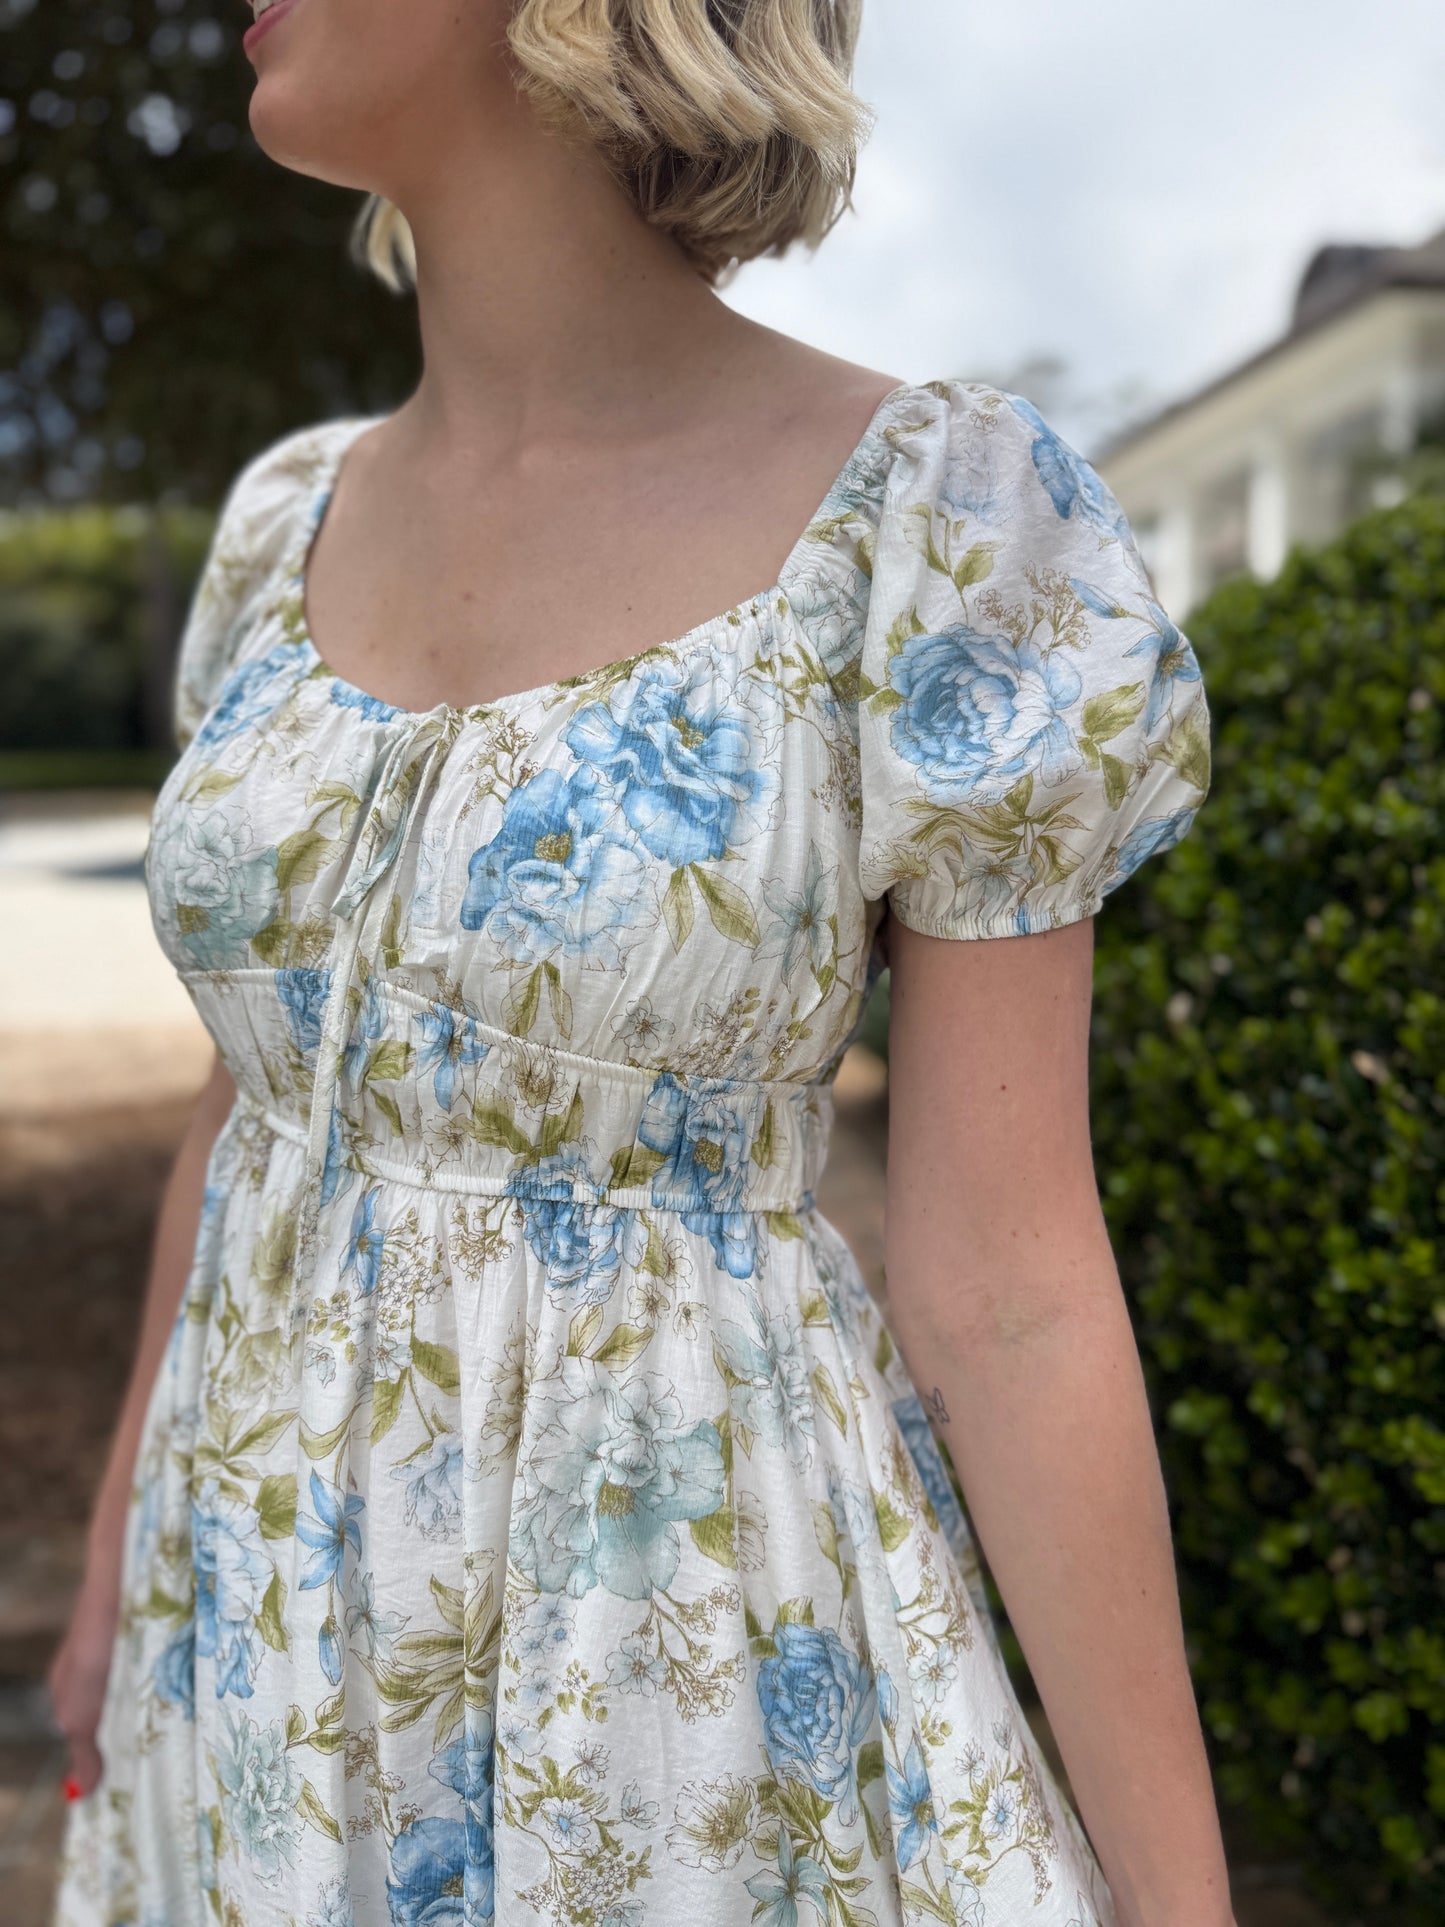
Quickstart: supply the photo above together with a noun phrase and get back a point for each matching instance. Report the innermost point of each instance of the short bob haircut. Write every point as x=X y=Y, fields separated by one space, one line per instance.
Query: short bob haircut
x=731 y=123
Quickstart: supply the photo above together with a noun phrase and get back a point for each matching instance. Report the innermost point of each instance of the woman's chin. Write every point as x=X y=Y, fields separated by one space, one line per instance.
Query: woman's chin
x=287 y=129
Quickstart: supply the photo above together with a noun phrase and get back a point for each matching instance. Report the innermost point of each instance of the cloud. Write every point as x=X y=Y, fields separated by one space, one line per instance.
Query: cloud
x=1131 y=187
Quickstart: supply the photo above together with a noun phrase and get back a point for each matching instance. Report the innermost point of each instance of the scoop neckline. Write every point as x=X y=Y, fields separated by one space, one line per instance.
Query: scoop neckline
x=748 y=608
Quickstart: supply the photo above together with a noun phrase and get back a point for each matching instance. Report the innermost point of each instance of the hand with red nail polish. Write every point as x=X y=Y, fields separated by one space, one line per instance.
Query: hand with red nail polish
x=80 y=1668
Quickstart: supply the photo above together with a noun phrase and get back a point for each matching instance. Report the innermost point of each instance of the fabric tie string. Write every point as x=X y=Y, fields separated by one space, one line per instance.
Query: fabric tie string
x=407 y=773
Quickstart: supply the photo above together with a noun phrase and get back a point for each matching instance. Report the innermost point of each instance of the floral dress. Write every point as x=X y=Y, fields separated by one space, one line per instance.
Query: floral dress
x=534 y=1520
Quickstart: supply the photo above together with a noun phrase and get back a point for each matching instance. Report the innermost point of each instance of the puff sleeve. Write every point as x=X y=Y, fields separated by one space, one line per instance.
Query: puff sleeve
x=253 y=534
x=1032 y=725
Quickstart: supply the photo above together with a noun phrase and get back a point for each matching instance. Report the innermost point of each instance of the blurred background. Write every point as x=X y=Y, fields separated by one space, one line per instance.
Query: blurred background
x=1211 y=248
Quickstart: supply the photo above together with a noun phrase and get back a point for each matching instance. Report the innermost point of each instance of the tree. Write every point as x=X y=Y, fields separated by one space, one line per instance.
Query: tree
x=170 y=299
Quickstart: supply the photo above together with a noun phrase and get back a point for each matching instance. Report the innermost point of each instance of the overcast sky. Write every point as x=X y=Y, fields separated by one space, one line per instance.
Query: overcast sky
x=1127 y=185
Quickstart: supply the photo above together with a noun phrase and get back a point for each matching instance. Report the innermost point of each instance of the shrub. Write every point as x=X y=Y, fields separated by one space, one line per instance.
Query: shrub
x=92 y=601
x=1269 y=1077
x=1269 y=1124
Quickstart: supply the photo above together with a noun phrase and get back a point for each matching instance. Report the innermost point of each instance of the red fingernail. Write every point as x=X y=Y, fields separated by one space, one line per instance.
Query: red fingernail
x=71 y=1788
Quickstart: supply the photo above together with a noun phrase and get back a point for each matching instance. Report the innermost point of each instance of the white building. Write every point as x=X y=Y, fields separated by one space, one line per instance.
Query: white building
x=1273 y=452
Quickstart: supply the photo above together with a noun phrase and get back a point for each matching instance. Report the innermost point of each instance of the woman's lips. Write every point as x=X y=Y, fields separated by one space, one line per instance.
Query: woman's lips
x=268 y=19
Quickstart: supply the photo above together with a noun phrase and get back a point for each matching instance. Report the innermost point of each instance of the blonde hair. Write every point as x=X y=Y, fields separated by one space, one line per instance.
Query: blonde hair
x=731 y=123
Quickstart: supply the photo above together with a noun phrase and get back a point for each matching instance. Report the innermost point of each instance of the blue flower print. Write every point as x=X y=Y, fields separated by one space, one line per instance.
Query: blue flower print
x=831 y=601
x=336 y=1173
x=329 y=1648
x=333 y=1529
x=775 y=1398
x=1149 y=838
x=818 y=1702
x=558 y=876
x=251 y=692
x=260 y=1791
x=225 y=891
x=232 y=1574
x=303 y=997
x=579 y=1244
x=778 y=1890
x=887 y=1699
x=427 y=1876
x=910 y=1805
x=686 y=757
x=347 y=696
x=1168 y=660
x=366 y=1033
x=174 y=1673
x=801 y=931
x=366 y=1245
x=611 y=1467
x=705 y=1132
x=978 y=713
x=333 y=1897
x=451 y=1040
x=928 y=1461
x=434 y=1488
x=1071 y=484
x=366 y=1622
x=466 y=1767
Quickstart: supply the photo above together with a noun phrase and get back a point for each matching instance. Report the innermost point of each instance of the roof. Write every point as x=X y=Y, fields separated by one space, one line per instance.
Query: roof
x=1340 y=276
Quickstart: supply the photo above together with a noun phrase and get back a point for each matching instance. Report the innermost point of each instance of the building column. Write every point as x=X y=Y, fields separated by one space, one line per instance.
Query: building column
x=1267 y=536
x=1174 y=571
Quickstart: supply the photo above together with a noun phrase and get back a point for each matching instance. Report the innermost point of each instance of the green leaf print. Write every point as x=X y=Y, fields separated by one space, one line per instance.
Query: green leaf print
x=637 y=1164
x=276 y=1505
x=269 y=1621
x=522 y=1002
x=1106 y=715
x=492 y=1122
x=558 y=998
x=1187 y=748
x=583 y=1329
x=299 y=857
x=386 y=1398
x=826 y=1393
x=1116 y=779
x=624 y=1344
x=825 y=1531
x=315 y=1814
x=561 y=1127
x=320 y=1445
x=714 y=1537
x=390 y=1059
x=677 y=911
x=893 y=1528
x=212 y=786
x=437 y=1363
x=975 y=566
x=762 y=1151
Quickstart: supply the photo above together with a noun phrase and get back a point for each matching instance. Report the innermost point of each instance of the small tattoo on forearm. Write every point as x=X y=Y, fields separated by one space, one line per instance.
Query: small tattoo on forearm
x=937 y=1410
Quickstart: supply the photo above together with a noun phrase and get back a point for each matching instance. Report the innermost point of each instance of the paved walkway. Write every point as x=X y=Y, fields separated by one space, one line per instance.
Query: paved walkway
x=90 y=1010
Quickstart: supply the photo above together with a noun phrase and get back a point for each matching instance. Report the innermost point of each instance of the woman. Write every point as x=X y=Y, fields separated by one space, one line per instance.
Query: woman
x=520 y=1511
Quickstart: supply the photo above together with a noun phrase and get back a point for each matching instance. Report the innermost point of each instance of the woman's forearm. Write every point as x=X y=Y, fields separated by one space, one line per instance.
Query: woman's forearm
x=172 y=1247
x=1050 y=1431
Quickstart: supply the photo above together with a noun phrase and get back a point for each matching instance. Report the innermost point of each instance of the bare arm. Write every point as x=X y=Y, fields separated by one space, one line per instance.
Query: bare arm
x=1004 y=1293
x=78 y=1671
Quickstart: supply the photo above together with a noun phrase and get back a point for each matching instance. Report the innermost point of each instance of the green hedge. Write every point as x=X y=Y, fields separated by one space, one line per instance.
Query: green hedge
x=1270 y=1128
x=1269 y=1122
x=92 y=601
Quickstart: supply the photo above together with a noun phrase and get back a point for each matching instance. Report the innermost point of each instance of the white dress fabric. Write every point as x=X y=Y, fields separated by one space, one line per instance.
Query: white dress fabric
x=534 y=1520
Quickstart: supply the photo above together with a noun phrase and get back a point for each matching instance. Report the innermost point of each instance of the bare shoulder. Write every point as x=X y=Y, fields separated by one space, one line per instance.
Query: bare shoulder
x=812 y=388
